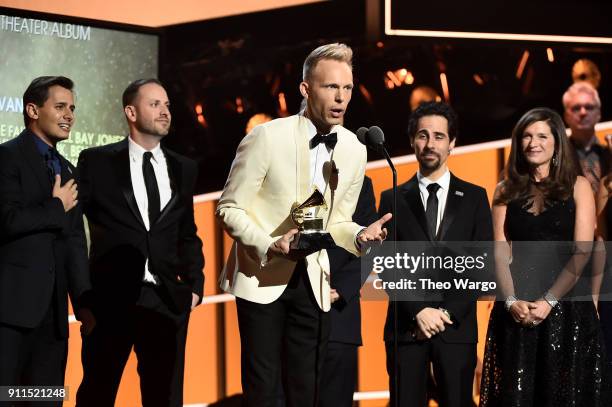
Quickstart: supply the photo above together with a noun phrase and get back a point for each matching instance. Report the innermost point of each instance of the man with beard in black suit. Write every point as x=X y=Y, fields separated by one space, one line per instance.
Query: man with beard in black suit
x=434 y=205
x=146 y=258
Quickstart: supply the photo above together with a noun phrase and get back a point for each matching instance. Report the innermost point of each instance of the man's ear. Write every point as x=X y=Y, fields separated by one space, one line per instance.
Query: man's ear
x=304 y=89
x=130 y=113
x=32 y=111
x=451 y=145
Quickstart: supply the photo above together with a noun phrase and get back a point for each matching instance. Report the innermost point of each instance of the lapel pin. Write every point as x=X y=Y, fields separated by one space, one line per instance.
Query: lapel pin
x=459 y=193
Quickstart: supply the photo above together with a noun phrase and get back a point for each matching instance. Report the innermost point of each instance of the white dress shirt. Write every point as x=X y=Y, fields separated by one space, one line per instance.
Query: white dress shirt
x=160 y=167
x=318 y=157
x=442 y=194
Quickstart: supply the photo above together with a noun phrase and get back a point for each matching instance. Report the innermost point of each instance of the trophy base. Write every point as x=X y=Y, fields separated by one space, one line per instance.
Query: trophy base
x=312 y=241
x=311 y=225
x=313 y=232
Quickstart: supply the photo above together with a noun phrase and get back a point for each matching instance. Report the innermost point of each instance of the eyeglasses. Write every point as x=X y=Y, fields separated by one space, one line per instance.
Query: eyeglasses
x=588 y=107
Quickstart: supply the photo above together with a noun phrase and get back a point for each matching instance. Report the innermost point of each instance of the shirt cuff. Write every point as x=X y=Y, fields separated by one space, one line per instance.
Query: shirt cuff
x=358 y=244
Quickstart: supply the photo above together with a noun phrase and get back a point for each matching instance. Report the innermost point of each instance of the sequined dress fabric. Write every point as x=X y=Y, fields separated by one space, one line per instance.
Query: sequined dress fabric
x=561 y=361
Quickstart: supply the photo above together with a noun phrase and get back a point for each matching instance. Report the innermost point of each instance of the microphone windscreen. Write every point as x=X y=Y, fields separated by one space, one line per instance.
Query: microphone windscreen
x=375 y=136
x=361 y=134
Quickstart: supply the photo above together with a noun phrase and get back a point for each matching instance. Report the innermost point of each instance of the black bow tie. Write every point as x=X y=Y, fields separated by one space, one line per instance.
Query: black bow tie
x=329 y=140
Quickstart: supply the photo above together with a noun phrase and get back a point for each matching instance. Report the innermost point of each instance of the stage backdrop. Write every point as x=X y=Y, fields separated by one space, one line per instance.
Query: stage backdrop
x=101 y=62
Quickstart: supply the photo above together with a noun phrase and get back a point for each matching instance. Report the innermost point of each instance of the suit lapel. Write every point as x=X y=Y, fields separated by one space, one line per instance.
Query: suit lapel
x=453 y=204
x=175 y=173
x=67 y=173
x=303 y=159
x=412 y=194
x=35 y=161
x=124 y=178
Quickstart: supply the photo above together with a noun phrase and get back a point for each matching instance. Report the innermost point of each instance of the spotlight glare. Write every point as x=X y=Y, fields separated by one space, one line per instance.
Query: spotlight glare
x=393 y=78
x=521 y=66
x=365 y=93
x=409 y=80
x=444 y=83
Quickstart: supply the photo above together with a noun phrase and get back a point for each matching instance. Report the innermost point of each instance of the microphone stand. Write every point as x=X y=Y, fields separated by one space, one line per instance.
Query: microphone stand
x=395 y=310
x=383 y=149
x=376 y=140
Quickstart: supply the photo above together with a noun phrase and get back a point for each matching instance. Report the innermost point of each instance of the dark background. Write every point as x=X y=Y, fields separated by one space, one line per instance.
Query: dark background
x=554 y=17
x=256 y=56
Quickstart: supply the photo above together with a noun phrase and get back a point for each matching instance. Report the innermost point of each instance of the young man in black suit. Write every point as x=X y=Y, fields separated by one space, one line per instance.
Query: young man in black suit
x=146 y=259
x=339 y=373
x=435 y=205
x=43 y=253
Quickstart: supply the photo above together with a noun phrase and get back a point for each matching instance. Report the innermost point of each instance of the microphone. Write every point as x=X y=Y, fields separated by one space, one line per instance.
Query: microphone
x=361 y=135
x=375 y=137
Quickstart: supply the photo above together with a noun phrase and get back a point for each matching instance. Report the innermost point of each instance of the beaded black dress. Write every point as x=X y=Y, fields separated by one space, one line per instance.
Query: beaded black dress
x=561 y=361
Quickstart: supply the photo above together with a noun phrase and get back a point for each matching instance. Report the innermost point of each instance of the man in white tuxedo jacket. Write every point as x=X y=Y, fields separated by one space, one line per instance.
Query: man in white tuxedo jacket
x=283 y=298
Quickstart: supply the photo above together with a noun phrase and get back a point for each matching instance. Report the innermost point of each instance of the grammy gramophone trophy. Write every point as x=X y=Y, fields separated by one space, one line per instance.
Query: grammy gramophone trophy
x=312 y=236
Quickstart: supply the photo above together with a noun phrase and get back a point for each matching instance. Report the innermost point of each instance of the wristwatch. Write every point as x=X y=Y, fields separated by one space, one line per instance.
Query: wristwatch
x=551 y=299
x=509 y=301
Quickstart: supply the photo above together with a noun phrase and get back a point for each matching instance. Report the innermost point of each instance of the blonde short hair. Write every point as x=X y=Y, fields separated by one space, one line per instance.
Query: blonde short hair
x=580 y=87
x=336 y=51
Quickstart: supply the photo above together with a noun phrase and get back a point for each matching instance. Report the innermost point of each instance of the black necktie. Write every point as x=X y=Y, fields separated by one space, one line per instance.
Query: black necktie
x=151 y=186
x=431 y=213
x=329 y=140
x=54 y=165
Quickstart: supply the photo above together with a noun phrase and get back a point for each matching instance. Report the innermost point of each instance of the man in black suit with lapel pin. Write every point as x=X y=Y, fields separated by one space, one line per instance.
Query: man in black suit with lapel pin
x=435 y=205
x=146 y=259
x=339 y=373
x=43 y=253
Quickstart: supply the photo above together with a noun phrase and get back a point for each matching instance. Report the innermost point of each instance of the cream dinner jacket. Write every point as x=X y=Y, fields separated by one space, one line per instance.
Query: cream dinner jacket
x=271 y=172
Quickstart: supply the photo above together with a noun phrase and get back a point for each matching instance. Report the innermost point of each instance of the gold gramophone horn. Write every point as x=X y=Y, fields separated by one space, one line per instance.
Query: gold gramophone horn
x=304 y=215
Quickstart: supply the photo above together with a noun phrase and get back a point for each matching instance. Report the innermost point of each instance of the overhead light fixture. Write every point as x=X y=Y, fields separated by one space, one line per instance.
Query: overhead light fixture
x=478 y=79
x=550 y=55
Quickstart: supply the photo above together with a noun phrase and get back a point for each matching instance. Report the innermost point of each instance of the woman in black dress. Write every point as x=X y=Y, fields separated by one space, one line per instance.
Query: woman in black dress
x=542 y=348
x=602 y=261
